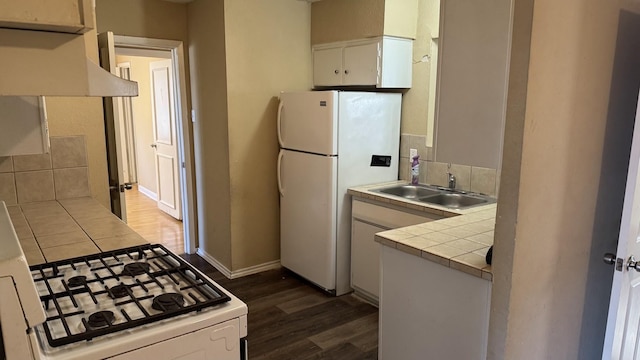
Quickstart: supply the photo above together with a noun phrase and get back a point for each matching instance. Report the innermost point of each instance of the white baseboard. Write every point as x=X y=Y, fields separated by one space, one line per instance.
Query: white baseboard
x=238 y=273
x=148 y=193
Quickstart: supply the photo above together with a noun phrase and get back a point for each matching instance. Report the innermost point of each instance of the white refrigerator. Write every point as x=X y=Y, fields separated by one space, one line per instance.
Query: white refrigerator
x=330 y=141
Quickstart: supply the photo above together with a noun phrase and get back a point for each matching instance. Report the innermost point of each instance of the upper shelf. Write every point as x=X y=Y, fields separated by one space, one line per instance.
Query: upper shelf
x=66 y=16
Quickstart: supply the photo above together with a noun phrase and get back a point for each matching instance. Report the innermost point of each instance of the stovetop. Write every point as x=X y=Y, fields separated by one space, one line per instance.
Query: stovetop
x=90 y=296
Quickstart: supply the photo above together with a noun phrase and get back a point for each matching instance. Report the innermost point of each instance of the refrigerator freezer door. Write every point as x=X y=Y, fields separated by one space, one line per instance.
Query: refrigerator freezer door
x=308 y=216
x=308 y=121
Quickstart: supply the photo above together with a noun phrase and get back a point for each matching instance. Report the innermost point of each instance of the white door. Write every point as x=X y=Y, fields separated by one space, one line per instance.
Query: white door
x=307 y=121
x=623 y=322
x=128 y=159
x=115 y=143
x=307 y=185
x=165 y=138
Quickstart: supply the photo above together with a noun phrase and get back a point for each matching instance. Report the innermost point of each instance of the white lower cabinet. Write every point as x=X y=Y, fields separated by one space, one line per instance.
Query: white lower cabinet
x=367 y=219
x=431 y=311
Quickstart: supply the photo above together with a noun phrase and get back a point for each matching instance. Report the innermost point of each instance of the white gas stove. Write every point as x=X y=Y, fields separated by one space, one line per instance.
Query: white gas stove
x=130 y=303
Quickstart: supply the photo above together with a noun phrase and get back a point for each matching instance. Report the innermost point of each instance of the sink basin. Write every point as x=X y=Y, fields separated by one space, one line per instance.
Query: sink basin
x=409 y=191
x=454 y=200
x=450 y=198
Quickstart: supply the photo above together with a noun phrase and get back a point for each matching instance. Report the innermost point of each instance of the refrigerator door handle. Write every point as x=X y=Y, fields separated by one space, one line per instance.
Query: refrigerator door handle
x=279 y=171
x=279 y=122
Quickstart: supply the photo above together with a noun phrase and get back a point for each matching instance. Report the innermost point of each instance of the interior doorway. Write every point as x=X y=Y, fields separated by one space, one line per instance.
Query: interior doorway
x=151 y=131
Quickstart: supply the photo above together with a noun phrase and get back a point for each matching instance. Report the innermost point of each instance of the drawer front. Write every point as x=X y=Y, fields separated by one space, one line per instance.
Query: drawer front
x=387 y=217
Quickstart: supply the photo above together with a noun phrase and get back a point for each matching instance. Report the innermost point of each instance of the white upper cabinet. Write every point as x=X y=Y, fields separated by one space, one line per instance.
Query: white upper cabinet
x=383 y=62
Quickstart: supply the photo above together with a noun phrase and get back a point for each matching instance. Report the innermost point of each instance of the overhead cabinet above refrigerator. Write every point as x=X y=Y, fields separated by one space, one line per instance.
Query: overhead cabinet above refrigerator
x=383 y=62
x=330 y=140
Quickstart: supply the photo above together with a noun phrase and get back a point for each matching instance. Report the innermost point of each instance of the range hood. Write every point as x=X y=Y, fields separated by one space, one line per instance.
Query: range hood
x=44 y=63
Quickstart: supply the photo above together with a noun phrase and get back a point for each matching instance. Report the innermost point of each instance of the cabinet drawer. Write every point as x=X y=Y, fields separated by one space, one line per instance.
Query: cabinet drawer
x=387 y=217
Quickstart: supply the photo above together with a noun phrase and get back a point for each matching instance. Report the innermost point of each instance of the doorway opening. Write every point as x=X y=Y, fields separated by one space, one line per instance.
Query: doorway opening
x=152 y=133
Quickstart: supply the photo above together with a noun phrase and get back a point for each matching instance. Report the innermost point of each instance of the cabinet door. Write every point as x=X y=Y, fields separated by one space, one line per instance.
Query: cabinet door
x=24 y=125
x=327 y=67
x=361 y=64
x=365 y=266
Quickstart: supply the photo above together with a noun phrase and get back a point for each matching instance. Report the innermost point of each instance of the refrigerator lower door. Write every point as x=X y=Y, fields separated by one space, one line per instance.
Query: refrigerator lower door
x=308 y=186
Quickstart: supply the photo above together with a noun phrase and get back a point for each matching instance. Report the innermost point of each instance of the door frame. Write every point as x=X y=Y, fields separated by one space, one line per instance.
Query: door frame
x=182 y=124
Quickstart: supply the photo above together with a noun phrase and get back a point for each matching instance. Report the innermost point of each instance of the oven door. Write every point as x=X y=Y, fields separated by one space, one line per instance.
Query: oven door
x=220 y=342
x=16 y=344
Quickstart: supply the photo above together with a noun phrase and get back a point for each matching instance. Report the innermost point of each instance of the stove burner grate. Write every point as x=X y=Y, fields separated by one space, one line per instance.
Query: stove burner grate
x=100 y=270
x=168 y=302
x=100 y=319
x=136 y=268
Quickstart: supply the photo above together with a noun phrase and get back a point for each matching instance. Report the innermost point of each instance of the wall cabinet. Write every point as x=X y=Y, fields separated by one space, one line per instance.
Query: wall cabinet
x=23 y=122
x=68 y=16
x=367 y=219
x=382 y=62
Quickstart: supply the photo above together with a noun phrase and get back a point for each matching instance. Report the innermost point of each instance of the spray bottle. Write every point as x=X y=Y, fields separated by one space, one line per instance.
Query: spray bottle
x=415 y=170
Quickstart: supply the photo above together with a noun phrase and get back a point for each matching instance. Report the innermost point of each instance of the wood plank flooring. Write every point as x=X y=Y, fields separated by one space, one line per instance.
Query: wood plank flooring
x=291 y=319
x=144 y=217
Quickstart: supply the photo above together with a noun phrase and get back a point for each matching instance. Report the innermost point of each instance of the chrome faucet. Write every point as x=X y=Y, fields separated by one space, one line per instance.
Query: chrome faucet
x=450 y=177
x=452 y=181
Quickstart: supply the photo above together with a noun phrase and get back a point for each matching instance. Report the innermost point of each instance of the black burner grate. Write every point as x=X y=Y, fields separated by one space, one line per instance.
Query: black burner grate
x=128 y=288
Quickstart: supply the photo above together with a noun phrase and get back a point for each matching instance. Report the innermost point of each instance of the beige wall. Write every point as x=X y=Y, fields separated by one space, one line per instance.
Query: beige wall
x=143 y=18
x=550 y=291
x=84 y=116
x=400 y=18
x=244 y=53
x=142 y=119
x=211 y=142
x=339 y=20
x=415 y=102
x=268 y=51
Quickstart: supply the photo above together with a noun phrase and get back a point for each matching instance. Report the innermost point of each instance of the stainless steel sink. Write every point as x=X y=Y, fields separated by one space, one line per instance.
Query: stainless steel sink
x=454 y=200
x=411 y=192
x=436 y=195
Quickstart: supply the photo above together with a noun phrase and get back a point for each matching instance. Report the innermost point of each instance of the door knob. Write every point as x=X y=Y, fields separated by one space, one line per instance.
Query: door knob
x=609 y=258
x=154 y=145
x=633 y=264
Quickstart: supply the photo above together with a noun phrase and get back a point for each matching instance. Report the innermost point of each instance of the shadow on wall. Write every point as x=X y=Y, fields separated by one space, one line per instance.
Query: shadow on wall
x=615 y=163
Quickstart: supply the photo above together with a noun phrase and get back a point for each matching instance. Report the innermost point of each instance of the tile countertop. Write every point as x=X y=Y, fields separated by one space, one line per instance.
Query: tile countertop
x=459 y=241
x=55 y=230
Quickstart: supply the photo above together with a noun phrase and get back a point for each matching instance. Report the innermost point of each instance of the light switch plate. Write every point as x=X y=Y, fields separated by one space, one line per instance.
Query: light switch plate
x=412 y=153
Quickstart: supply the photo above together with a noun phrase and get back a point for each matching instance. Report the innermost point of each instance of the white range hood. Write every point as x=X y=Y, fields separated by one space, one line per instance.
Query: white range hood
x=43 y=51
x=39 y=63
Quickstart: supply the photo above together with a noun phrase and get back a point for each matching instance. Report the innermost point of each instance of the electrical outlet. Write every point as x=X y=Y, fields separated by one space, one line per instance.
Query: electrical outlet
x=412 y=154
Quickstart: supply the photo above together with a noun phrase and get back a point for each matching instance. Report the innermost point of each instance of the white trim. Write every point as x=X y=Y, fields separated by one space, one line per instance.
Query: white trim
x=271 y=265
x=182 y=120
x=148 y=193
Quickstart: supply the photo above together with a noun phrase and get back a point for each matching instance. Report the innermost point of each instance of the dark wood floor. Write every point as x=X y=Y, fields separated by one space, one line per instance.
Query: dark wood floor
x=290 y=319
